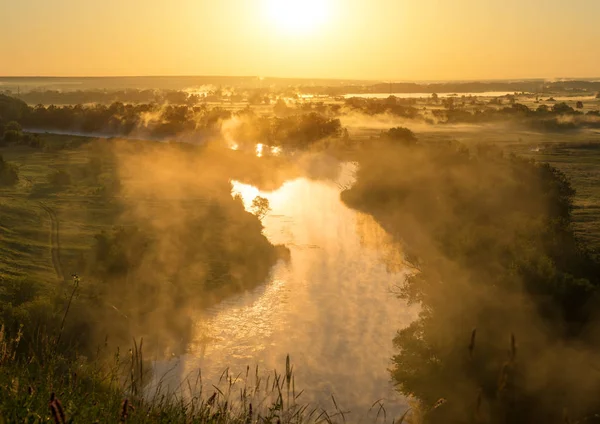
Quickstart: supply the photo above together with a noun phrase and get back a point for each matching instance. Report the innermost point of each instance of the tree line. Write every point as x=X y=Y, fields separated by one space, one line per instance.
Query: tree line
x=508 y=294
x=298 y=128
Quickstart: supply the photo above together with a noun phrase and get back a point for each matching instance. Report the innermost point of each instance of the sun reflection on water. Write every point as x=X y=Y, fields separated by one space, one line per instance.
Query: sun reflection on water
x=330 y=308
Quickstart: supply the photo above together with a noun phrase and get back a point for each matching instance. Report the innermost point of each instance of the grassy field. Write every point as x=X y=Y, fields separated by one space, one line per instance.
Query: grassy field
x=28 y=209
x=581 y=163
x=576 y=153
x=82 y=209
x=39 y=218
x=79 y=209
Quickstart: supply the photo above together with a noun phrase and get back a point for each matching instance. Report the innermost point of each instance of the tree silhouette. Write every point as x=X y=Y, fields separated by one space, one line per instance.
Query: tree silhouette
x=260 y=207
x=399 y=134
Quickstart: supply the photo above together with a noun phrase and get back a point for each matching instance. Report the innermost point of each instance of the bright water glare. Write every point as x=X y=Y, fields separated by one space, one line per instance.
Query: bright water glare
x=331 y=308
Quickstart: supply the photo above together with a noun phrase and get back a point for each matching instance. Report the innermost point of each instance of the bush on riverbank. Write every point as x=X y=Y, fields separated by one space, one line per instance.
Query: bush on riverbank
x=492 y=248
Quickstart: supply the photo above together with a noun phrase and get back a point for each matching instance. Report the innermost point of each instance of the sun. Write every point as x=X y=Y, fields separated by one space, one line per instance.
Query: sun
x=297 y=17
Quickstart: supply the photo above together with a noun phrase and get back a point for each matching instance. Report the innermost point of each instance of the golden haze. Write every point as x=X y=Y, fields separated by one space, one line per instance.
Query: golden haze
x=362 y=39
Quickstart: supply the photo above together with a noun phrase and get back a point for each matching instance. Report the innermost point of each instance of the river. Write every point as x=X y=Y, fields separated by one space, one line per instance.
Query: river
x=331 y=308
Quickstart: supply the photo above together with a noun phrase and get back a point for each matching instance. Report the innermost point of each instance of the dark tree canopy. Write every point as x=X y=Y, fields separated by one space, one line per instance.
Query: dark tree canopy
x=11 y=109
x=399 y=134
x=492 y=249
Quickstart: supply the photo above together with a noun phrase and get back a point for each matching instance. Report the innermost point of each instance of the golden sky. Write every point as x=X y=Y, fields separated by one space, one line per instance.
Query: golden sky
x=361 y=39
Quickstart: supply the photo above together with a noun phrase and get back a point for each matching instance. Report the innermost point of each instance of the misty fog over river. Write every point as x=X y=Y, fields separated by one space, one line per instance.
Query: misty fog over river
x=331 y=307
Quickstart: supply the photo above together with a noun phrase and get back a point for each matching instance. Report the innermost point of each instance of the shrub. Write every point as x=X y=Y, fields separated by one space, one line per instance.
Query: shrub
x=11 y=136
x=400 y=134
x=59 y=178
x=13 y=126
x=8 y=173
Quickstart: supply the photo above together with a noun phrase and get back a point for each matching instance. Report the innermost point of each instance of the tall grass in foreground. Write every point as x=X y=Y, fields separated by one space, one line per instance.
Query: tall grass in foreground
x=52 y=388
x=43 y=381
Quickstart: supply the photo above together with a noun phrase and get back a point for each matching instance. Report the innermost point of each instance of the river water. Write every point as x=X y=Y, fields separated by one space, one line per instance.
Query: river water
x=331 y=307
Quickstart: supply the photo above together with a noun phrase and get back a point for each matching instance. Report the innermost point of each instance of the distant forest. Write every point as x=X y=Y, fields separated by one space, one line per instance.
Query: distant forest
x=180 y=90
x=277 y=122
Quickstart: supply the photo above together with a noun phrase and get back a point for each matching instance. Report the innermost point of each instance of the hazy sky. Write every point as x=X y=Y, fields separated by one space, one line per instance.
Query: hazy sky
x=365 y=39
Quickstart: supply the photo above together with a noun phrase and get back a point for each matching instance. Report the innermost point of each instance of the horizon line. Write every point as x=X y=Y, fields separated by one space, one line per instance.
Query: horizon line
x=376 y=80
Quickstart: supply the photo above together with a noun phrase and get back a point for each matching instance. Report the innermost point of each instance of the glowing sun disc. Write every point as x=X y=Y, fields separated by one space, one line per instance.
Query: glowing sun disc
x=297 y=16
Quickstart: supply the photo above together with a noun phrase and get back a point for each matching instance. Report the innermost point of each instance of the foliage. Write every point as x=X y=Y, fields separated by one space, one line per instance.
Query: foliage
x=132 y=281
x=293 y=131
x=47 y=385
x=149 y=277
x=11 y=136
x=8 y=173
x=281 y=108
x=290 y=128
x=287 y=89
x=13 y=126
x=260 y=207
x=491 y=248
x=301 y=130
x=207 y=247
x=59 y=177
x=397 y=107
x=10 y=132
x=558 y=117
x=11 y=109
x=400 y=135
x=119 y=252
x=578 y=160
x=31 y=140
x=19 y=305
